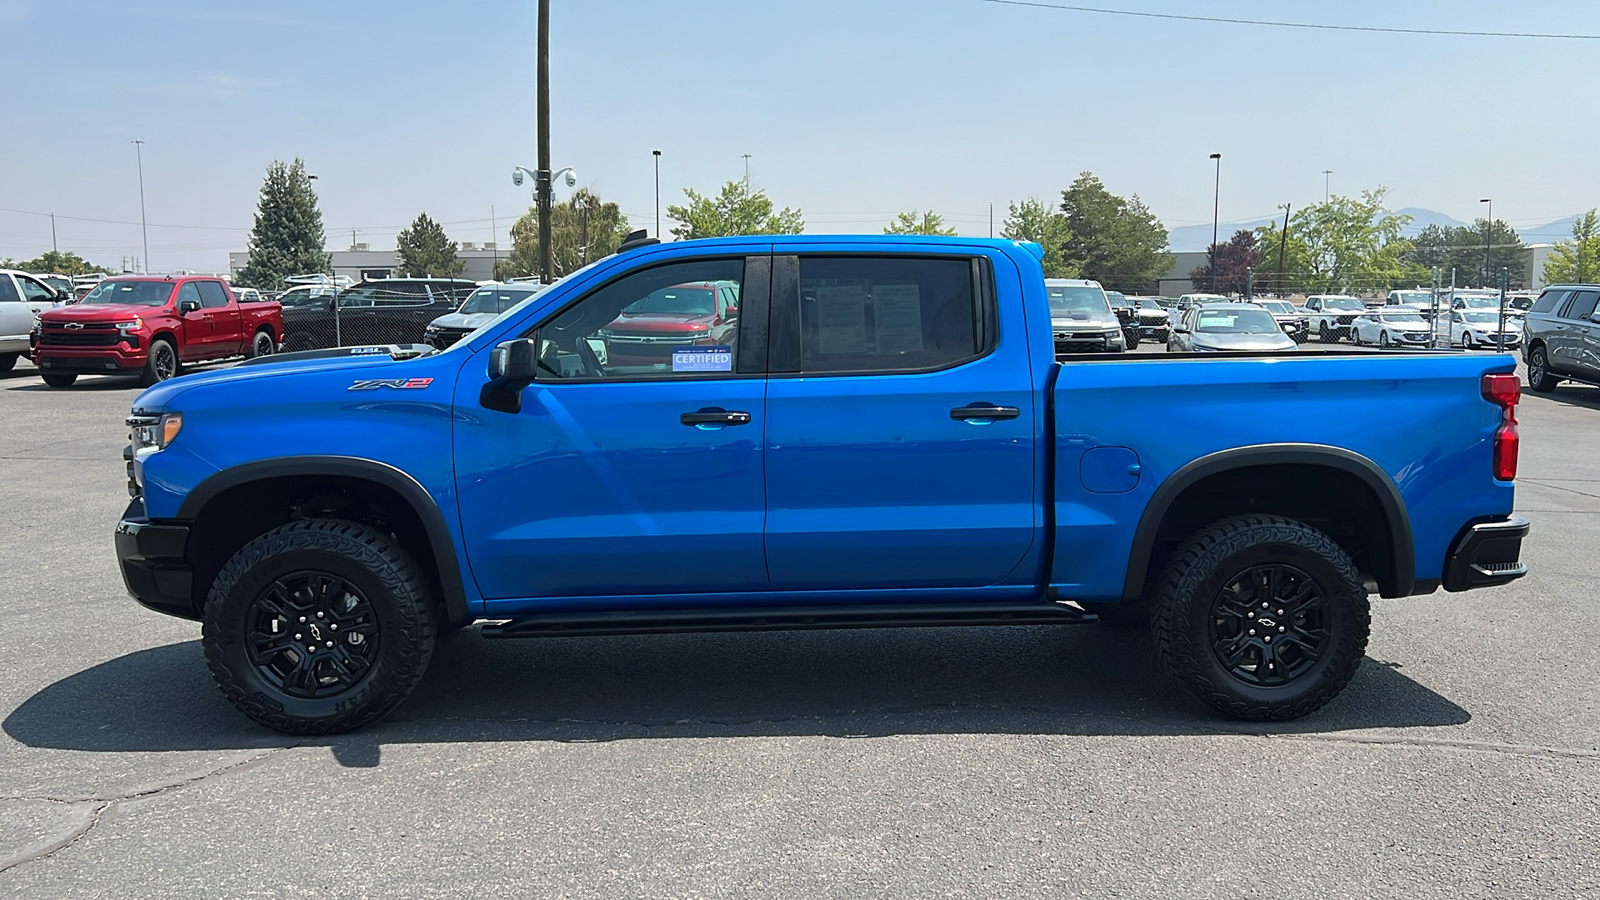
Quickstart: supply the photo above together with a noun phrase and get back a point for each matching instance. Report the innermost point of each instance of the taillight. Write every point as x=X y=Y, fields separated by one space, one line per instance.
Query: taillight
x=1504 y=391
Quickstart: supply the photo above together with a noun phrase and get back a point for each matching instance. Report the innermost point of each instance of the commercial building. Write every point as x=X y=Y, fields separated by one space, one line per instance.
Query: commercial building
x=362 y=263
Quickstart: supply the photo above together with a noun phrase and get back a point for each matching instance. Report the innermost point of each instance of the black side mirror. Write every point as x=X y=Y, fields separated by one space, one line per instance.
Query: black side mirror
x=512 y=365
x=188 y=306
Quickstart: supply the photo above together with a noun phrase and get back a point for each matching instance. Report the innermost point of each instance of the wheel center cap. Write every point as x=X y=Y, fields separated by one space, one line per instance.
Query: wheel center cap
x=316 y=631
x=1267 y=622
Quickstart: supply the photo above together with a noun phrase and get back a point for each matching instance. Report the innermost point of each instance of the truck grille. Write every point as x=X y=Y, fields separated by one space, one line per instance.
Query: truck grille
x=1345 y=320
x=445 y=337
x=1080 y=345
x=90 y=336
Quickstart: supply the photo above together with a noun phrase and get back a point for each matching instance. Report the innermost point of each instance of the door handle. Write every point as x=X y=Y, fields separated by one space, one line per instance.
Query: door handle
x=715 y=416
x=983 y=412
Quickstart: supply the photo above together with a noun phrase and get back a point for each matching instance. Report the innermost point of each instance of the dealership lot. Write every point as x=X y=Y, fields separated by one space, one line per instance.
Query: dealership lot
x=1463 y=761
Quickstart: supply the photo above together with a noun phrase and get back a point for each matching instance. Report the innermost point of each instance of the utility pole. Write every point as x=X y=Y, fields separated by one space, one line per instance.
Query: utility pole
x=1283 y=245
x=1326 y=181
x=543 y=88
x=54 y=247
x=1500 y=330
x=494 y=239
x=657 y=155
x=991 y=218
x=138 y=151
x=747 y=173
x=1488 y=229
x=1216 y=202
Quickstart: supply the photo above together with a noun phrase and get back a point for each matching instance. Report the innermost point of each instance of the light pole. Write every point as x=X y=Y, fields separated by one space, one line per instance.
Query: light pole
x=1283 y=246
x=543 y=180
x=747 y=173
x=1488 y=229
x=144 y=228
x=1216 y=201
x=543 y=199
x=1326 y=180
x=657 y=155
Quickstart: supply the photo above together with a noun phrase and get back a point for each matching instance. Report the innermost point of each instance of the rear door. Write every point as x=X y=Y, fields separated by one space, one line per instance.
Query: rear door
x=900 y=423
x=222 y=315
x=1568 y=343
x=16 y=318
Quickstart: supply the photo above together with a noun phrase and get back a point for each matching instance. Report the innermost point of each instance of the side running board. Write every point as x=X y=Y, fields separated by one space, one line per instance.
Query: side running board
x=658 y=621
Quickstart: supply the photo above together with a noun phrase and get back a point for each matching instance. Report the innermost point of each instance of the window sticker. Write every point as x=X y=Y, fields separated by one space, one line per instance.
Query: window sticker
x=702 y=359
x=897 y=317
x=842 y=318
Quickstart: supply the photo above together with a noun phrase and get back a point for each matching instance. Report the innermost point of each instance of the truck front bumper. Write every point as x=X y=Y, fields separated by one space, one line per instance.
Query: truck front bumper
x=1486 y=554
x=105 y=360
x=154 y=563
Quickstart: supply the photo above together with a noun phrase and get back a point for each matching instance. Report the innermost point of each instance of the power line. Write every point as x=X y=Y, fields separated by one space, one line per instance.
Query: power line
x=1306 y=25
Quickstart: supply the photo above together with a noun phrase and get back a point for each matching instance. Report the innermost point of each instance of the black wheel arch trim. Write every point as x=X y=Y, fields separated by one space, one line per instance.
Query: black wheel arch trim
x=1383 y=487
x=398 y=480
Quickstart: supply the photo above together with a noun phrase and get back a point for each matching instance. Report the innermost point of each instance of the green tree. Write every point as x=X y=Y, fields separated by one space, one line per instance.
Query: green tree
x=914 y=222
x=287 y=238
x=1034 y=222
x=1290 y=278
x=1114 y=240
x=1354 y=244
x=582 y=230
x=735 y=211
x=58 y=263
x=426 y=251
x=1576 y=261
x=1228 y=268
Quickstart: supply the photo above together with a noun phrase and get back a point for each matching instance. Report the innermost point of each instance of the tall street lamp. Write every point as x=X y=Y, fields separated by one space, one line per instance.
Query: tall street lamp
x=657 y=155
x=1215 y=203
x=543 y=200
x=138 y=154
x=1326 y=181
x=1488 y=228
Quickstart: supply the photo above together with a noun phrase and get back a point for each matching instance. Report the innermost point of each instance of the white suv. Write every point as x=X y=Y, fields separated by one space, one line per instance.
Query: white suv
x=22 y=297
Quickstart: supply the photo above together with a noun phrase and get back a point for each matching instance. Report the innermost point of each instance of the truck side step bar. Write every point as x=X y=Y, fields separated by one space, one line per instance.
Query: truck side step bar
x=670 y=621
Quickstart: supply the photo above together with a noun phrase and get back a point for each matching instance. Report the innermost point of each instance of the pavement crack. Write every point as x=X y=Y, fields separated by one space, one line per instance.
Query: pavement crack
x=1557 y=487
x=101 y=804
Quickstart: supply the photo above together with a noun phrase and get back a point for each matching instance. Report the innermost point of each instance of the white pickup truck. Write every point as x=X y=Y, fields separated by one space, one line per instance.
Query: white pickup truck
x=1331 y=315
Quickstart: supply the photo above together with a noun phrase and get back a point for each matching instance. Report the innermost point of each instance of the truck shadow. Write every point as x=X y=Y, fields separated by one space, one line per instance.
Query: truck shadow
x=1571 y=395
x=1038 y=680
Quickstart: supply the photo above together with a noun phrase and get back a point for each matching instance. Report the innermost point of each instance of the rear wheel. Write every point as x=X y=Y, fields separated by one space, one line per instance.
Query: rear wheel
x=318 y=626
x=261 y=345
x=160 y=364
x=60 y=379
x=1539 y=376
x=1261 y=617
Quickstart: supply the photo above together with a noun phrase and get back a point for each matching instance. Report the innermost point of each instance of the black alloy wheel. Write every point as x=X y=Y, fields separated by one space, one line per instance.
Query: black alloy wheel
x=160 y=364
x=1539 y=376
x=1269 y=624
x=311 y=634
x=261 y=345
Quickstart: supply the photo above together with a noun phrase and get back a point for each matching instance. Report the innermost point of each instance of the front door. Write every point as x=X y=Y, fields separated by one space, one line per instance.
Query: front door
x=621 y=476
x=900 y=424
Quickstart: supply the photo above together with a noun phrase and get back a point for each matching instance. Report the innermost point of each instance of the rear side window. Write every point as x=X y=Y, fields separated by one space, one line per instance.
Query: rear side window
x=890 y=314
x=8 y=291
x=1583 y=303
x=212 y=296
x=1549 y=300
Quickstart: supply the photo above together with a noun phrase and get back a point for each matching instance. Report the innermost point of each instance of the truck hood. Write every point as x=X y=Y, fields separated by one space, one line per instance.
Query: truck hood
x=661 y=323
x=1084 y=320
x=157 y=398
x=1279 y=341
x=96 y=313
x=469 y=321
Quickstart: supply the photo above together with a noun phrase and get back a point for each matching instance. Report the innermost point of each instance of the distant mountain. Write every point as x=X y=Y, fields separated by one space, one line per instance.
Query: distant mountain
x=1196 y=238
x=1422 y=218
x=1554 y=232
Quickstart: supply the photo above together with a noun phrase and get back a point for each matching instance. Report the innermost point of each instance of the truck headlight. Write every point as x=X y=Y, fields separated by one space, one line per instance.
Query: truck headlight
x=129 y=329
x=154 y=432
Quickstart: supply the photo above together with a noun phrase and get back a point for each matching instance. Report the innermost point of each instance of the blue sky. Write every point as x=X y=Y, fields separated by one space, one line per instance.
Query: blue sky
x=851 y=110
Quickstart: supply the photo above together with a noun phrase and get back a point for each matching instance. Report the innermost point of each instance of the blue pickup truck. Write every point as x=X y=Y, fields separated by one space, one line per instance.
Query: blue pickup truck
x=821 y=432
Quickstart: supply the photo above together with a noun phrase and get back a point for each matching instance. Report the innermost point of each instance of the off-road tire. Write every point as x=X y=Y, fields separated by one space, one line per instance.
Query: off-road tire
x=1183 y=615
x=8 y=361
x=160 y=364
x=394 y=587
x=60 y=379
x=261 y=345
x=1539 y=376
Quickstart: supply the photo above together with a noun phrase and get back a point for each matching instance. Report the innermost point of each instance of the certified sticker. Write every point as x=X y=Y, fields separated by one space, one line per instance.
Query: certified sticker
x=702 y=359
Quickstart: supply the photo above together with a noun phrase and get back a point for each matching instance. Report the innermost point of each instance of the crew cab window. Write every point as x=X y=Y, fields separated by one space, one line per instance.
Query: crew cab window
x=212 y=296
x=186 y=293
x=8 y=291
x=1583 y=303
x=657 y=323
x=890 y=314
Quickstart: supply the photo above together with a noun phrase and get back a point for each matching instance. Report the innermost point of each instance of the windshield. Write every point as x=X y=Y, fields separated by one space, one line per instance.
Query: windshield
x=298 y=297
x=1418 y=297
x=1342 y=303
x=1401 y=319
x=1481 y=318
x=56 y=281
x=1221 y=320
x=1067 y=298
x=1477 y=301
x=1148 y=303
x=678 y=300
x=1278 y=306
x=494 y=300
x=131 y=293
x=1115 y=298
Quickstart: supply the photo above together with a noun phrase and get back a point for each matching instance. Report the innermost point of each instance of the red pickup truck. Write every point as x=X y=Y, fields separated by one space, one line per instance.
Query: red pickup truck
x=149 y=327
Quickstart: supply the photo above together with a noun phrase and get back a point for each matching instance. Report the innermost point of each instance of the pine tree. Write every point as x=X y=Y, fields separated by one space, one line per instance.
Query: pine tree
x=287 y=238
x=425 y=251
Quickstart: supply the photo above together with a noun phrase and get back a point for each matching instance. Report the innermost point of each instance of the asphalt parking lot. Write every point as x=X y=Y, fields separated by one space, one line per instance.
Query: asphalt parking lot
x=1463 y=761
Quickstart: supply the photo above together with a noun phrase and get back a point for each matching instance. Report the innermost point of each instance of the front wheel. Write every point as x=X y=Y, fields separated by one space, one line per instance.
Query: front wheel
x=318 y=626
x=1539 y=376
x=60 y=379
x=1383 y=339
x=1324 y=336
x=160 y=364
x=1261 y=617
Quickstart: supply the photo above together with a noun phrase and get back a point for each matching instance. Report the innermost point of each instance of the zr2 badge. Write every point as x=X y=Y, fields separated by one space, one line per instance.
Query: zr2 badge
x=399 y=384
